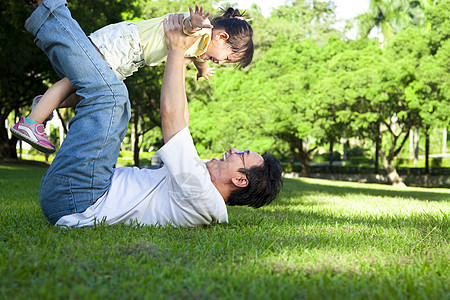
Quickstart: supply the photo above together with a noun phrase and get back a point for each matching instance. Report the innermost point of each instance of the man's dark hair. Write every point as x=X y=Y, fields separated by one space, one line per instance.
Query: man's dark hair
x=264 y=184
x=240 y=34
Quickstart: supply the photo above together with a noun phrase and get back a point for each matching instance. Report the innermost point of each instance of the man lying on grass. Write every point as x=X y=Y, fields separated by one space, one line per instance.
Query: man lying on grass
x=81 y=187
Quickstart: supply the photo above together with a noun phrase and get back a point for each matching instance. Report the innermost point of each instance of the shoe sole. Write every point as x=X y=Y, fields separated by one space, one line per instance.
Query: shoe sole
x=26 y=139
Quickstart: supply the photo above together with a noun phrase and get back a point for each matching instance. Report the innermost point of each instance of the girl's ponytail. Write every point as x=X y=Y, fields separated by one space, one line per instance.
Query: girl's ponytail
x=231 y=13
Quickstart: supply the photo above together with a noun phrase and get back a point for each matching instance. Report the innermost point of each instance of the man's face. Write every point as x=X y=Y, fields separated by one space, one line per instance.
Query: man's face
x=222 y=170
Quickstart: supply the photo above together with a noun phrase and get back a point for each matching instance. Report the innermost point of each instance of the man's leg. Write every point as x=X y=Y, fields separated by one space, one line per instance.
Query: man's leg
x=81 y=171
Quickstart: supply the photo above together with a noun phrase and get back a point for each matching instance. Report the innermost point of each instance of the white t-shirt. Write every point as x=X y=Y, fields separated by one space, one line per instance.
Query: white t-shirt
x=180 y=193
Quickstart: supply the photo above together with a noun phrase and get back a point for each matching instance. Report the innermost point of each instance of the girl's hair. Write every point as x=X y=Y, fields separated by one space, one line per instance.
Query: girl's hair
x=239 y=31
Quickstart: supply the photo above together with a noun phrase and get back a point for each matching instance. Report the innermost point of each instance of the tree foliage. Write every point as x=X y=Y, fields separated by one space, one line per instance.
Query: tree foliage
x=390 y=17
x=23 y=68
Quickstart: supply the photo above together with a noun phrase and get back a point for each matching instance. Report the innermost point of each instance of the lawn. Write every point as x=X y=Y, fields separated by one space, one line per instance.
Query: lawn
x=319 y=240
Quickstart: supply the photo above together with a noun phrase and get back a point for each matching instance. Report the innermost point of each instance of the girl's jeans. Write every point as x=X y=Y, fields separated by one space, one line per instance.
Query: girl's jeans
x=82 y=169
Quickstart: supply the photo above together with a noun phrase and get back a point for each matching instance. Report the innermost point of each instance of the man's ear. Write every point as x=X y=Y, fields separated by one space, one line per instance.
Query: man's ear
x=240 y=181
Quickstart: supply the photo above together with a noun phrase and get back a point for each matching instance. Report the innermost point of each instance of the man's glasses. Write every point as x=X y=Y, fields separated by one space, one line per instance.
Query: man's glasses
x=241 y=153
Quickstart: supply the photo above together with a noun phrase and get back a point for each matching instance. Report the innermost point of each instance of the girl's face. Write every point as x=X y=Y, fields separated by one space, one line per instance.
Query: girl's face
x=219 y=51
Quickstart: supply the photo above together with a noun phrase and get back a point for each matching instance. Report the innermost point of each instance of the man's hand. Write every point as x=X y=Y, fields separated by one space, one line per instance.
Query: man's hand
x=198 y=20
x=175 y=38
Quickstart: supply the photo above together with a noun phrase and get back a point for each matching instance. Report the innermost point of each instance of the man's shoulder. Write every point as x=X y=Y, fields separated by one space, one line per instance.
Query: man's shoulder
x=180 y=136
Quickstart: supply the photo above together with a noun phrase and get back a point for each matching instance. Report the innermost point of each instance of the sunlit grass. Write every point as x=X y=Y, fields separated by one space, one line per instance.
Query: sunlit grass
x=319 y=240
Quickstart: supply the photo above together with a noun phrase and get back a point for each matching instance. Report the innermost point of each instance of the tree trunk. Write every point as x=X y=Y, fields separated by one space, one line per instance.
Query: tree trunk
x=62 y=119
x=298 y=152
x=303 y=158
x=306 y=172
x=331 y=156
x=382 y=40
x=61 y=134
x=411 y=143
x=135 y=136
x=444 y=140
x=136 y=148
x=392 y=174
x=344 y=157
x=7 y=146
x=416 y=138
x=376 y=160
x=427 y=152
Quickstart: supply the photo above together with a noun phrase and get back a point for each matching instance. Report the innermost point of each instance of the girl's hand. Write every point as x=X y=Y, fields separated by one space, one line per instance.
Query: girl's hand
x=198 y=19
x=175 y=38
x=206 y=74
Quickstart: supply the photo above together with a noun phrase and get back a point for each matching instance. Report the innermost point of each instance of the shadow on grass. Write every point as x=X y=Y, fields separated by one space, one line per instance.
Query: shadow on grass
x=287 y=210
x=299 y=187
x=12 y=170
x=283 y=216
x=416 y=221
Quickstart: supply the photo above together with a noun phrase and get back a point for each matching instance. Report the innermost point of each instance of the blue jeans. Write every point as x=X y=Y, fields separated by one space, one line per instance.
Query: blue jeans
x=82 y=169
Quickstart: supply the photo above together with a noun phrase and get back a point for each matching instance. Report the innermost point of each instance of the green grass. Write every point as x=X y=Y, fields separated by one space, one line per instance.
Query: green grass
x=319 y=240
x=125 y=157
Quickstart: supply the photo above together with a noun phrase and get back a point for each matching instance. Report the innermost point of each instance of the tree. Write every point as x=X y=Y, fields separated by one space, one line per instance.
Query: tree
x=389 y=16
x=297 y=20
x=429 y=92
x=25 y=70
x=346 y=84
x=399 y=95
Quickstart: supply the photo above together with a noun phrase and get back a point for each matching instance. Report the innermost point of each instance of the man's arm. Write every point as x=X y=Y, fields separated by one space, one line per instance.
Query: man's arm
x=173 y=104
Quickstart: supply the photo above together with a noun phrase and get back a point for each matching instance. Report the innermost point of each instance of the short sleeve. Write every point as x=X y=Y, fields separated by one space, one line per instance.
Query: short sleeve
x=184 y=165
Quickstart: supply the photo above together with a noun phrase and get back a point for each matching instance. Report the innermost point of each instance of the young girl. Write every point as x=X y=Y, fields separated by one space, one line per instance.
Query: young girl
x=126 y=46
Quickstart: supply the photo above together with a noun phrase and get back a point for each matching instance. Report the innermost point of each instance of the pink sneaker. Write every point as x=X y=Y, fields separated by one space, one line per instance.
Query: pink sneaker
x=33 y=134
x=35 y=101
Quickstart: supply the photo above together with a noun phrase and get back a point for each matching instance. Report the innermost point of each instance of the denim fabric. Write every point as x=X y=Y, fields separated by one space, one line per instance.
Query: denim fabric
x=82 y=169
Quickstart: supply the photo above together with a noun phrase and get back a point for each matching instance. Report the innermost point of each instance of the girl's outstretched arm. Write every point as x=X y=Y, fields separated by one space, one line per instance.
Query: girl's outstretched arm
x=204 y=70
